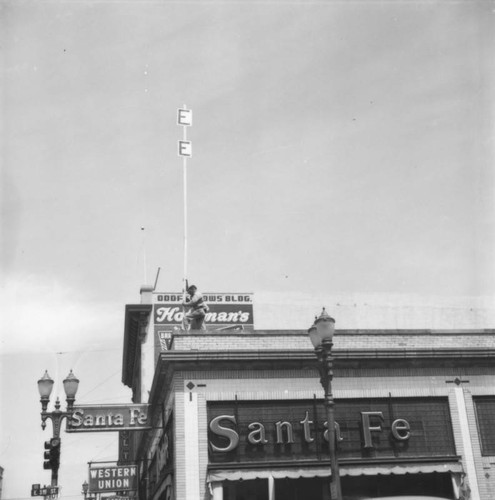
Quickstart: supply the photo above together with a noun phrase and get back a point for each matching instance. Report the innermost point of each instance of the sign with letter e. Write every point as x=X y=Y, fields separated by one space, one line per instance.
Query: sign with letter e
x=104 y=418
x=185 y=148
x=184 y=117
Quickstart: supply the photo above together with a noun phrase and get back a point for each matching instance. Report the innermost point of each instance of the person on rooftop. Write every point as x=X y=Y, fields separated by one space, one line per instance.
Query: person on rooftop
x=198 y=308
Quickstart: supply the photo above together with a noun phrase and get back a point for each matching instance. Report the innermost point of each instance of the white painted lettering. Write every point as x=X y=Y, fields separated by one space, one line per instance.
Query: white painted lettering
x=76 y=418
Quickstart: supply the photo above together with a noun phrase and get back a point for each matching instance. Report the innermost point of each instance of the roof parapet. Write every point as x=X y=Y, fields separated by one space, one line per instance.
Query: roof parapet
x=146 y=293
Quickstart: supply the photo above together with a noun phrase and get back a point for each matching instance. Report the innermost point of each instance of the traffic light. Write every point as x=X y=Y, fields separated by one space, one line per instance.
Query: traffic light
x=52 y=456
x=46 y=463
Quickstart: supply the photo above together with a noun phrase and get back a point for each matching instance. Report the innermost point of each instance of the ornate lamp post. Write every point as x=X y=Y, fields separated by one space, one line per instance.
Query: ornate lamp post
x=84 y=491
x=45 y=386
x=321 y=336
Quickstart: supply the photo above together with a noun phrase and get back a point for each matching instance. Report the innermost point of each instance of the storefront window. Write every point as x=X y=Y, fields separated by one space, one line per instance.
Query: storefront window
x=485 y=413
x=256 y=489
x=302 y=489
x=435 y=484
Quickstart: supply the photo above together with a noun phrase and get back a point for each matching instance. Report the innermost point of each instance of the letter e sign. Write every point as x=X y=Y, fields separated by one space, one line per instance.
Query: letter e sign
x=184 y=117
x=185 y=148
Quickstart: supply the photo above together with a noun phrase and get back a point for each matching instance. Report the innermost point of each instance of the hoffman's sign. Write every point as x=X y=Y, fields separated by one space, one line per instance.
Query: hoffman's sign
x=233 y=311
x=250 y=431
x=103 y=418
x=108 y=479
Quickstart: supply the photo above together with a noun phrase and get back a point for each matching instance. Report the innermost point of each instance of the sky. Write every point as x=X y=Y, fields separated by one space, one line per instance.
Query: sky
x=338 y=147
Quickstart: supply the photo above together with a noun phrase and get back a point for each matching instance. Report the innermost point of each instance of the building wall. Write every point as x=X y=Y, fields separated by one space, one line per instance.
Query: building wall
x=352 y=311
x=294 y=384
x=457 y=382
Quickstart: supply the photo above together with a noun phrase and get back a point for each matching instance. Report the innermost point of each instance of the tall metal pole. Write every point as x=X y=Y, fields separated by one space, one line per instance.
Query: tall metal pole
x=326 y=366
x=184 y=162
x=184 y=118
x=56 y=416
x=45 y=385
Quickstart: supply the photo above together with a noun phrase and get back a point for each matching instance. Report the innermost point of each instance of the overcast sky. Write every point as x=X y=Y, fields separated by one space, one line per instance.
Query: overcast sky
x=337 y=147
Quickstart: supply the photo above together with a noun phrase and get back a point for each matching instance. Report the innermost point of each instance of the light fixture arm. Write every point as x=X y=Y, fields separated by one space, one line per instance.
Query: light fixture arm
x=56 y=416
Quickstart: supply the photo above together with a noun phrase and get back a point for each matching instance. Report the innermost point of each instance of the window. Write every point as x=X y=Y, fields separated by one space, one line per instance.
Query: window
x=485 y=415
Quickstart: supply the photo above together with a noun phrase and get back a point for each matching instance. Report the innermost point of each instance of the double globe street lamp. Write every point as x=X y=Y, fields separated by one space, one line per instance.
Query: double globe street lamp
x=321 y=336
x=45 y=386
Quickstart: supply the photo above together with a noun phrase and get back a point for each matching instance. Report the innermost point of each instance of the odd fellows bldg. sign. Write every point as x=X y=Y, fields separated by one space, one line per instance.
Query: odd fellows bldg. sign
x=114 y=478
x=225 y=311
x=104 y=418
x=385 y=428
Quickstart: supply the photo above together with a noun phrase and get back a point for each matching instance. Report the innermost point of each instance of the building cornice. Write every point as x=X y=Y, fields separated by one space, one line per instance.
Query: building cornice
x=136 y=318
x=345 y=332
x=173 y=361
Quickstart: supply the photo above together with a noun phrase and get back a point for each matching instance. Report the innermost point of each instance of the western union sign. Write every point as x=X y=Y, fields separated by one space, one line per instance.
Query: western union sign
x=115 y=478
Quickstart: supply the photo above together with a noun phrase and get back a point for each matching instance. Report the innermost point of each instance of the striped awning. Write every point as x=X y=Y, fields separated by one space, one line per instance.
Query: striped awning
x=345 y=470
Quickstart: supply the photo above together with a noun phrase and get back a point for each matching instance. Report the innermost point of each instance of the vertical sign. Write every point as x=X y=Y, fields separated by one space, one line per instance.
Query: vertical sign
x=124 y=447
x=184 y=118
x=185 y=148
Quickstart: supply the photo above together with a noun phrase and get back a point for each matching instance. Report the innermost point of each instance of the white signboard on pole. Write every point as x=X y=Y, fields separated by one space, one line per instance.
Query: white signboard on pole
x=185 y=148
x=184 y=117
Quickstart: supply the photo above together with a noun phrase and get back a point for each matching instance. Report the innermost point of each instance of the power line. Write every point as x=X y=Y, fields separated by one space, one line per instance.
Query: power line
x=103 y=449
x=122 y=399
x=89 y=350
x=61 y=497
x=101 y=383
x=82 y=351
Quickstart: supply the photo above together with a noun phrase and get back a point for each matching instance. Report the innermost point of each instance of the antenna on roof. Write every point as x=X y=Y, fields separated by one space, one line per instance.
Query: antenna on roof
x=184 y=118
x=156 y=279
x=144 y=255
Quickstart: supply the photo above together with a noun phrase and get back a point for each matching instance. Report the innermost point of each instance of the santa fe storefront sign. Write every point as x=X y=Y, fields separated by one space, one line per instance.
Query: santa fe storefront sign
x=257 y=431
x=104 y=418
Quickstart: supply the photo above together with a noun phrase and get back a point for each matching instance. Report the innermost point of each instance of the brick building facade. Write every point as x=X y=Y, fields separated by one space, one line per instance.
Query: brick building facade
x=239 y=415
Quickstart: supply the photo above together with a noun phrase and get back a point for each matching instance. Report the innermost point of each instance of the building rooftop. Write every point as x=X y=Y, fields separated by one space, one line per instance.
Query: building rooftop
x=344 y=340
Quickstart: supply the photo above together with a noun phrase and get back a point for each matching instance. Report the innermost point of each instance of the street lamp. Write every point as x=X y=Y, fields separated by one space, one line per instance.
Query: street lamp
x=84 y=491
x=45 y=386
x=321 y=336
